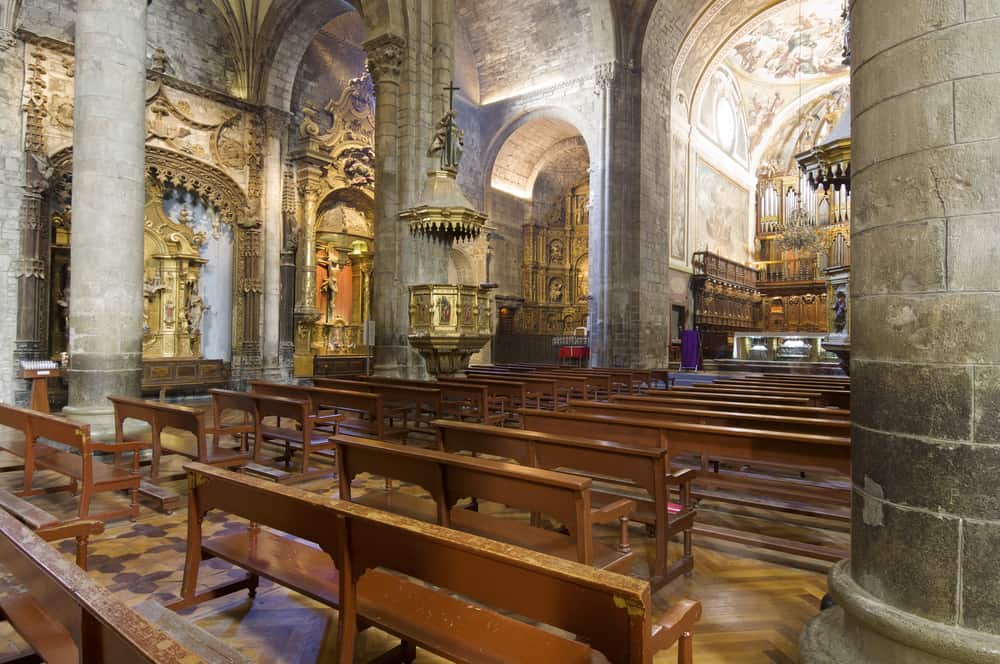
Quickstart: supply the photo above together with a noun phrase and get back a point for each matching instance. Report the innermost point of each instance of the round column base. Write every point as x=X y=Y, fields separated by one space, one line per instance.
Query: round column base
x=864 y=630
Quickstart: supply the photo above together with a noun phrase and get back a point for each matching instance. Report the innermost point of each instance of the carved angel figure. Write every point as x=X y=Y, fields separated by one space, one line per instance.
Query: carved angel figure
x=195 y=313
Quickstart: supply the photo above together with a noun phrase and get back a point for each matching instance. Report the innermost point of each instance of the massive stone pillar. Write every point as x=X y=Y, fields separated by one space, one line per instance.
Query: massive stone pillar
x=105 y=320
x=614 y=223
x=922 y=584
x=385 y=61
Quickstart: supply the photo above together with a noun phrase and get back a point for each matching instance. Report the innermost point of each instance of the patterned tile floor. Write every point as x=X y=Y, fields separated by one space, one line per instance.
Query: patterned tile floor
x=755 y=603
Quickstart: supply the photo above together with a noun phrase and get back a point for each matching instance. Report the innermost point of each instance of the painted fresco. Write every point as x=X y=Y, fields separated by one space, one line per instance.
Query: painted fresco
x=721 y=214
x=678 y=199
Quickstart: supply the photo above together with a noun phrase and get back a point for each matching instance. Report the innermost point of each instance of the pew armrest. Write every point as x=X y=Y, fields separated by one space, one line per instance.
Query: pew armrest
x=329 y=417
x=674 y=624
x=72 y=528
x=685 y=476
x=612 y=512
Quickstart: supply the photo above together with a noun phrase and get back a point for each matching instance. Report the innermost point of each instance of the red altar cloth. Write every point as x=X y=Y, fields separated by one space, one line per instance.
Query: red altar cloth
x=574 y=353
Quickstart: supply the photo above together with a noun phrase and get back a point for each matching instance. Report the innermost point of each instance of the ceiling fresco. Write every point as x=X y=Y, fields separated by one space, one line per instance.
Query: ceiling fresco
x=796 y=41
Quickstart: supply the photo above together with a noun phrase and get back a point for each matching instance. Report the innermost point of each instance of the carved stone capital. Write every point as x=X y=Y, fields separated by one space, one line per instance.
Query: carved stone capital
x=385 y=57
x=276 y=121
x=606 y=75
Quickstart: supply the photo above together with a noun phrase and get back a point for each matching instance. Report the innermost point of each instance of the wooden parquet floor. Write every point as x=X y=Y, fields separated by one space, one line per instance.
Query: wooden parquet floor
x=755 y=603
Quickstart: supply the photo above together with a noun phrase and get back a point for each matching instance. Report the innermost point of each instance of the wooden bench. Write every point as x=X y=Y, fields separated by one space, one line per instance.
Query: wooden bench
x=449 y=478
x=452 y=593
x=716 y=395
x=65 y=617
x=363 y=413
x=505 y=395
x=422 y=403
x=50 y=528
x=738 y=406
x=86 y=474
x=815 y=425
x=544 y=392
x=464 y=401
x=758 y=448
x=161 y=416
x=611 y=465
x=829 y=396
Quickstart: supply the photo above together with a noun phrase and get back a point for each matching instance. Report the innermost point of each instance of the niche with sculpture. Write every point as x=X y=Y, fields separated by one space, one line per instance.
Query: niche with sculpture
x=344 y=244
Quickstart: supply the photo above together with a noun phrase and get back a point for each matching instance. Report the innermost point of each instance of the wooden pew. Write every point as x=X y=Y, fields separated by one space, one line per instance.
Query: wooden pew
x=367 y=409
x=816 y=425
x=544 y=391
x=85 y=473
x=68 y=618
x=424 y=403
x=814 y=398
x=736 y=405
x=49 y=528
x=716 y=395
x=506 y=395
x=449 y=478
x=464 y=401
x=160 y=416
x=824 y=397
x=781 y=450
x=613 y=463
x=399 y=575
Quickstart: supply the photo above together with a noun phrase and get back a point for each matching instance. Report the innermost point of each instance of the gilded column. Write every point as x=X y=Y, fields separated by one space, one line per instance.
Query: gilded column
x=385 y=60
x=306 y=313
x=105 y=319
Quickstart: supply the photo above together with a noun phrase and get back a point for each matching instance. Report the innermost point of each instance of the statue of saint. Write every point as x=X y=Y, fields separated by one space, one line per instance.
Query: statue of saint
x=444 y=311
x=195 y=313
x=332 y=288
x=448 y=142
x=556 y=291
x=840 y=313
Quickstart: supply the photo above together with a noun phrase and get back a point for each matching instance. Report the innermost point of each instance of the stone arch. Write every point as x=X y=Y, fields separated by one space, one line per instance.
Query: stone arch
x=460 y=269
x=542 y=128
x=300 y=23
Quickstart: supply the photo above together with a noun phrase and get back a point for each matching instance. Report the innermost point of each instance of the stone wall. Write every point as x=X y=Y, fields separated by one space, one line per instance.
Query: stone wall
x=191 y=32
x=11 y=179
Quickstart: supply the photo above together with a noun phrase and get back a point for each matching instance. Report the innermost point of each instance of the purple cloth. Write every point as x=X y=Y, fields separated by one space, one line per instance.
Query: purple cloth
x=690 y=349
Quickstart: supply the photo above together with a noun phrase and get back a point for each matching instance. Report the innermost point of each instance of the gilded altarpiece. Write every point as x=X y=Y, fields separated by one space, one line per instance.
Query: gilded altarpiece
x=198 y=142
x=334 y=159
x=555 y=268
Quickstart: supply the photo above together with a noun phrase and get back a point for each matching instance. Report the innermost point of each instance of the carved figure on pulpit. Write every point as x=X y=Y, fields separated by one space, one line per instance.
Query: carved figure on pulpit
x=444 y=311
x=448 y=141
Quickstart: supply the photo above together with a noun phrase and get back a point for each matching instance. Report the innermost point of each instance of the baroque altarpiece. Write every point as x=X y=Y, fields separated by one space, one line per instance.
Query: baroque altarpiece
x=555 y=268
x=203 y=287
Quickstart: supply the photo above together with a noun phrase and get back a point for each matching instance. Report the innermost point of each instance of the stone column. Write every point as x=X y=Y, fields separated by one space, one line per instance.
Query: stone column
x=105 y=320
x=385 y=60
x=614 y=222
x=277 y=132
x=922 y=583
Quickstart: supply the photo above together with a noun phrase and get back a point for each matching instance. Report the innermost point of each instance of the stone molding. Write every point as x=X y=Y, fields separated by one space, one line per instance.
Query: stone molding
x=950 y=643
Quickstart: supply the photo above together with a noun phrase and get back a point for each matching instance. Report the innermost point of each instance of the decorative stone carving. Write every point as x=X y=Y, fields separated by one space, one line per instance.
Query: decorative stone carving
x=385 y=57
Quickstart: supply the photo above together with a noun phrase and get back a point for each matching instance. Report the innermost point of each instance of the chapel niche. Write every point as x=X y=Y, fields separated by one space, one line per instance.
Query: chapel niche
x=555 y=267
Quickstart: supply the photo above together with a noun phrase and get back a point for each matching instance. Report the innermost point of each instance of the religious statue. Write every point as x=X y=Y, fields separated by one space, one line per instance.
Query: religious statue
x=556 y=251
x=332 y=288
x=449 y=140
x=150 y=287
x=63 y=303
x=195 y=312
x=840 y=313
x=556 y=291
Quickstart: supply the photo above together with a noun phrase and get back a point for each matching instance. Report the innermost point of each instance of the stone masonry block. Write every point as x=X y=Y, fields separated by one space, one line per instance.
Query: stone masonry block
x=932 y=401
x=900 y=258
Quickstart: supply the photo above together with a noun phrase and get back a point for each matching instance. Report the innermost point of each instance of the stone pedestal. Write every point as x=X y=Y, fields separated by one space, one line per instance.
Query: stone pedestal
x=105 y=319
x=922 y=584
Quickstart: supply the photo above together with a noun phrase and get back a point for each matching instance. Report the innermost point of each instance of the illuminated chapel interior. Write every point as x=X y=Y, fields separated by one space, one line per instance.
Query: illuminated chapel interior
x=472 y=330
